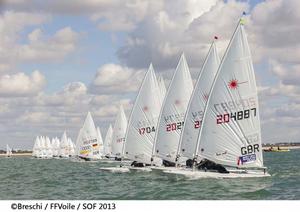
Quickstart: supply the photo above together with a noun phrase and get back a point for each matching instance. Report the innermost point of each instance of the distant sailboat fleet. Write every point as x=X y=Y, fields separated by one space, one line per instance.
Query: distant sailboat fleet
x=210 y=130
x=44 y=148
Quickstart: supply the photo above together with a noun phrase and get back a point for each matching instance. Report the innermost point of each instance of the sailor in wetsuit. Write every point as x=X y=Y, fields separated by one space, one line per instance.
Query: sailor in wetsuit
x=209 y=165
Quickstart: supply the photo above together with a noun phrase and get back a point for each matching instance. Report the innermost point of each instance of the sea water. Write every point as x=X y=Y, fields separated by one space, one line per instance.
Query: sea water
x=29 y=178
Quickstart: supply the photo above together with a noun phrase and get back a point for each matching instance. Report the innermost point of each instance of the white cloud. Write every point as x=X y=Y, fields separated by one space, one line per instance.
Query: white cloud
x=158 y=32
x=113 y=78
x=289 y=74
x=274 y=26
x=38 y=46
x=11 y=24
x=55 y=48
x=111 y=15
x=180 y=26
x=72 y=94
x=20 y=84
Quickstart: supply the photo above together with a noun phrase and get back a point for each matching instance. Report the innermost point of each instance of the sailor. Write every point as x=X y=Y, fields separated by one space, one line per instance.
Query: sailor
x=137 y=164
x=168 y=163
x=209 y=165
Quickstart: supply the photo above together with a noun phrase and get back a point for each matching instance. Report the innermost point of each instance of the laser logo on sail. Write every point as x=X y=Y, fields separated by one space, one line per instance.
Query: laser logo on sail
x=234 y=84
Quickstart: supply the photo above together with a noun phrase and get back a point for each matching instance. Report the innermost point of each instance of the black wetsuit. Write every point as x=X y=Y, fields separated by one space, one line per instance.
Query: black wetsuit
x=137 y=164
x=189 y=163
x=209 y=165
x=168 y=163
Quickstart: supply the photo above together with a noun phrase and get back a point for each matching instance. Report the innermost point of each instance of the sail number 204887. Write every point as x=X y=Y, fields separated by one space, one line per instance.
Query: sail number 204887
x=236 y=116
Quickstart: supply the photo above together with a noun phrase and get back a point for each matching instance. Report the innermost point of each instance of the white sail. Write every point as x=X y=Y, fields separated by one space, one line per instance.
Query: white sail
x=162 y=87
x=57 y=146
x=54 y=147
x=172 y=113
x=38 y=151
x=8 y=151
x=35 y=148
x=119 y=132
x=88 y=140
x=100 y=141
x=48 y=147
x=142 y=123
x=78 y=142
x=43 y=153
x=107 y=141
x=231 y=133
x=64 y=146
x=194 y=114
x=71 y=147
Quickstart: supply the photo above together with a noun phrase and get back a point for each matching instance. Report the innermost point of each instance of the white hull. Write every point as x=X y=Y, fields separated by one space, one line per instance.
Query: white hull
x=164 y=168
x=141 y=169
x=202 y=174
x=115 y=169
x=109 y=160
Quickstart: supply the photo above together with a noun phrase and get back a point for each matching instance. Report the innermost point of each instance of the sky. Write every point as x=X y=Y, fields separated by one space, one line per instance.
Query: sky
x=60 y=59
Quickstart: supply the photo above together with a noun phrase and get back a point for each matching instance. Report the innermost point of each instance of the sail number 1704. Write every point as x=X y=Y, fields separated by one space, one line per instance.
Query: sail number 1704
x=236 y=116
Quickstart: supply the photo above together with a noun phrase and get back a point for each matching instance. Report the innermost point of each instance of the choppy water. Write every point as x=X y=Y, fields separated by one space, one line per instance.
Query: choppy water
x=27 y=178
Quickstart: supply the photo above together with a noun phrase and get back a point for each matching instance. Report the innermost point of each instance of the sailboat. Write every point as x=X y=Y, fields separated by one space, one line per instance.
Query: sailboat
x=8 y=151
x=35 y=148
x=119 y=131
x=48 y=148
x=100 y=141
x=43 y=151
x=87 y=142
x=142 y=123
x=231 y=135
x=195 y=110
x=63 y=148
x=107 y=142
x=171 y=119
x=55 y=146
x=118 y=141
x=71 y=147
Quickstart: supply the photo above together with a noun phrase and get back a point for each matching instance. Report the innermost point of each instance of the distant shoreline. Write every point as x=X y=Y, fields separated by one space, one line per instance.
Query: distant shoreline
x=16 y=154
x=281 y=147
